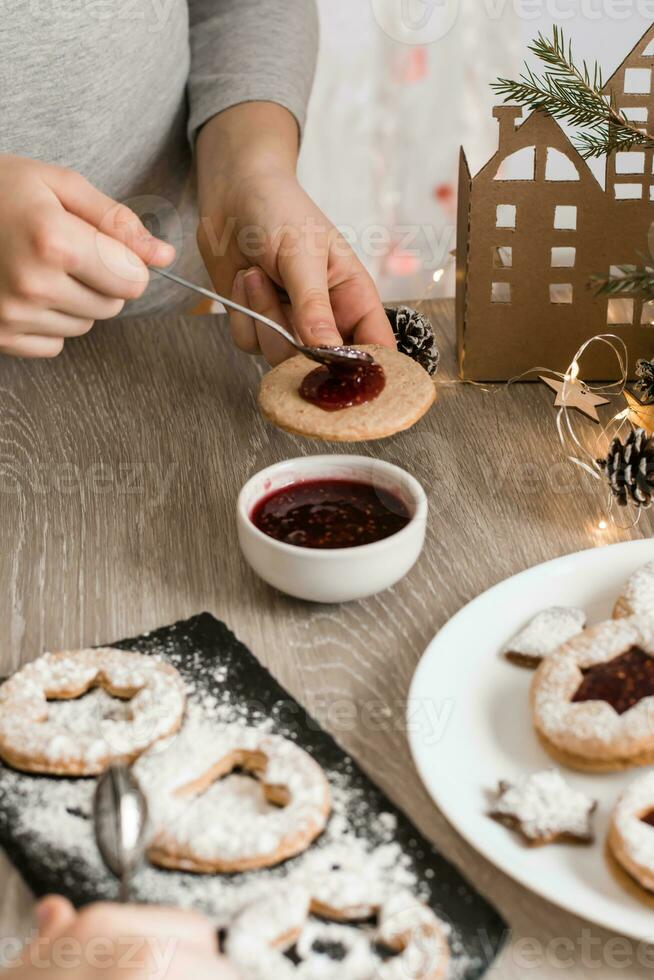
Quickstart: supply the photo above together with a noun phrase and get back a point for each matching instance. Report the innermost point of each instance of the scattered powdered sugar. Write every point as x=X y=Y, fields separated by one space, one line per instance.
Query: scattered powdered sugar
x=638 y=594
x=53 y=817
x=637 y=836
x=544 y=807
x=546 y=631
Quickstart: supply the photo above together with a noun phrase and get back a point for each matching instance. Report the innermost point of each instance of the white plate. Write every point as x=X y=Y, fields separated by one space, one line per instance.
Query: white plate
x=481 y=703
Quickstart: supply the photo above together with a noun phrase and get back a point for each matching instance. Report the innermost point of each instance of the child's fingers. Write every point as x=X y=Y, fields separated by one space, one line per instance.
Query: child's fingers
x=242 y=326
x=263 y=298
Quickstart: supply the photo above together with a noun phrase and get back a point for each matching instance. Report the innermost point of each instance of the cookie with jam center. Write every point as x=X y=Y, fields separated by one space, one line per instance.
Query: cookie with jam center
x=593 y=699
x=630 y=839
x=407 y=394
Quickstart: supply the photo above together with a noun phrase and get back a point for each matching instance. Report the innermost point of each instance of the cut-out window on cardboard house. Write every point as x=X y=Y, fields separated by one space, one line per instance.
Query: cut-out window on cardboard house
x=563 y=256
x=502 y=256
x=536 y=223
x=628 y=191
x=637 y=114
x=647 y=313
x=630 y=162
x=561 y=292
x=520 y=165
x=558 y=166
x=506 y=216
x=565 y=217
x=638 y=81
x=500 y=292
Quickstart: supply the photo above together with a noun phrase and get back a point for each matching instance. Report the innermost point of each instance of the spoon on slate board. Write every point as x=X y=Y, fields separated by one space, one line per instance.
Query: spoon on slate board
x=337 y=356
x=120 y=817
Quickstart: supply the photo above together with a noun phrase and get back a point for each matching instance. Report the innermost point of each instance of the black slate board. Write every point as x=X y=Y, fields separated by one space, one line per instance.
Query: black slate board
x=213 y=661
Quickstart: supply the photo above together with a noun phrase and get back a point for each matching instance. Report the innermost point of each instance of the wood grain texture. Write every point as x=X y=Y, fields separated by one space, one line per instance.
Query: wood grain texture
x=120 y=463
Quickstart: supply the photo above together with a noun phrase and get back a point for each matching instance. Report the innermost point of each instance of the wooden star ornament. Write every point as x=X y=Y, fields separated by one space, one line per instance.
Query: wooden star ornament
x=575 y=394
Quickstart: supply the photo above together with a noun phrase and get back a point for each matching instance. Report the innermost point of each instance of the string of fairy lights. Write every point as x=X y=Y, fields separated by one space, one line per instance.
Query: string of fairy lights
x=585 y=448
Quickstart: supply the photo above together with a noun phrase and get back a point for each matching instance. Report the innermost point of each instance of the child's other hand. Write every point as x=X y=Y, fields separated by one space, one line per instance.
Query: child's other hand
x=69 y=255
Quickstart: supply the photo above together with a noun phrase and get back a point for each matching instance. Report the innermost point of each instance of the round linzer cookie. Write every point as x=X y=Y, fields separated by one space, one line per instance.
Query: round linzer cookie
x=46 y=726
x=408 y=393
x=209 y=819
x=631 y=831
x=543 y=809
x=593 y=699
x=637 y=597
x=264 y=931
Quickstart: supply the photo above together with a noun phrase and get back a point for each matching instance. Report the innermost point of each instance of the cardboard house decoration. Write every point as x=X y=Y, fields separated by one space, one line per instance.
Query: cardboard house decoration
x=535 y=224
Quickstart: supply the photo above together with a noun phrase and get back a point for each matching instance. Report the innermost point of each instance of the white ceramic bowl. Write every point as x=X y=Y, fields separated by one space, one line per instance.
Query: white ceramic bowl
x=338 y=574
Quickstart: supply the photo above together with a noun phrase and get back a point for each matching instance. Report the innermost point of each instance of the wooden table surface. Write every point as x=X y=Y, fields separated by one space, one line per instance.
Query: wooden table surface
x=120 y=462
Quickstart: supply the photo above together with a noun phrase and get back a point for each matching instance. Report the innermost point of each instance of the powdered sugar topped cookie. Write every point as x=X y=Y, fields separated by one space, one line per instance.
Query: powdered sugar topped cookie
x=264 y=931
x=543 y=634
x=593 y=699
x=638 y=594
x=543 y=808
x=205 y=822
x=47 y=726
x=631 y=833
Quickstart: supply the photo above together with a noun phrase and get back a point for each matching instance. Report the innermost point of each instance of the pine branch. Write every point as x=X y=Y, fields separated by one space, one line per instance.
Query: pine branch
x=631 y=282
x=574 y=95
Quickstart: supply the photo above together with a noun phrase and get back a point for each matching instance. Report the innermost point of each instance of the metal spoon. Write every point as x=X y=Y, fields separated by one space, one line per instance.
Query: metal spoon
x=120 y=815
x=324 y=355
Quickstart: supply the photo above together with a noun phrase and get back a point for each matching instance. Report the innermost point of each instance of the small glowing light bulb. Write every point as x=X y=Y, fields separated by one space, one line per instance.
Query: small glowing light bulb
x=573 y=372
x=602 y=525
x=438 y=275
x=621 y=415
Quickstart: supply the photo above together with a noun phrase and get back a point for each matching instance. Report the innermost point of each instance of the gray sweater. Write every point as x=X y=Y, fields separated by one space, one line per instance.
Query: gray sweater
x=118 y=89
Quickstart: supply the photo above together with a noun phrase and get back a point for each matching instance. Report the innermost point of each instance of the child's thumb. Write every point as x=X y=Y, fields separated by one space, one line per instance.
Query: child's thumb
x=54 y=914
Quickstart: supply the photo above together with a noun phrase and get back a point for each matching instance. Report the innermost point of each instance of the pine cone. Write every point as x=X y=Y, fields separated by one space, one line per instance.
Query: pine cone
x=629 y=469
x=645 y=384
x=415 y=336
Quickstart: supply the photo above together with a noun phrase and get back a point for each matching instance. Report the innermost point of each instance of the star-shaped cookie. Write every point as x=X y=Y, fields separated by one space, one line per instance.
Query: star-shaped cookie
x=544 y=809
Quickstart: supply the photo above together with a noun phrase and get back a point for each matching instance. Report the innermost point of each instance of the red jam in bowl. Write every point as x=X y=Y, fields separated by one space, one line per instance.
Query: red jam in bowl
x=330 y=514
x=343 y=386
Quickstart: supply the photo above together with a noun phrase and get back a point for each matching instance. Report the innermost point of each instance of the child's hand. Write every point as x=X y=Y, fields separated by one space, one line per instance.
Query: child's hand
x=69 y=255
x=119 y=942
x=256 y=216
x=333 y=300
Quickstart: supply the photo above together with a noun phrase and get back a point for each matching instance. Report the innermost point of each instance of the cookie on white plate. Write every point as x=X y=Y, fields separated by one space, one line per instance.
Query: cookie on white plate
x=631 y=832
x=544 y=809
x=593 y=698
x=543 y=634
